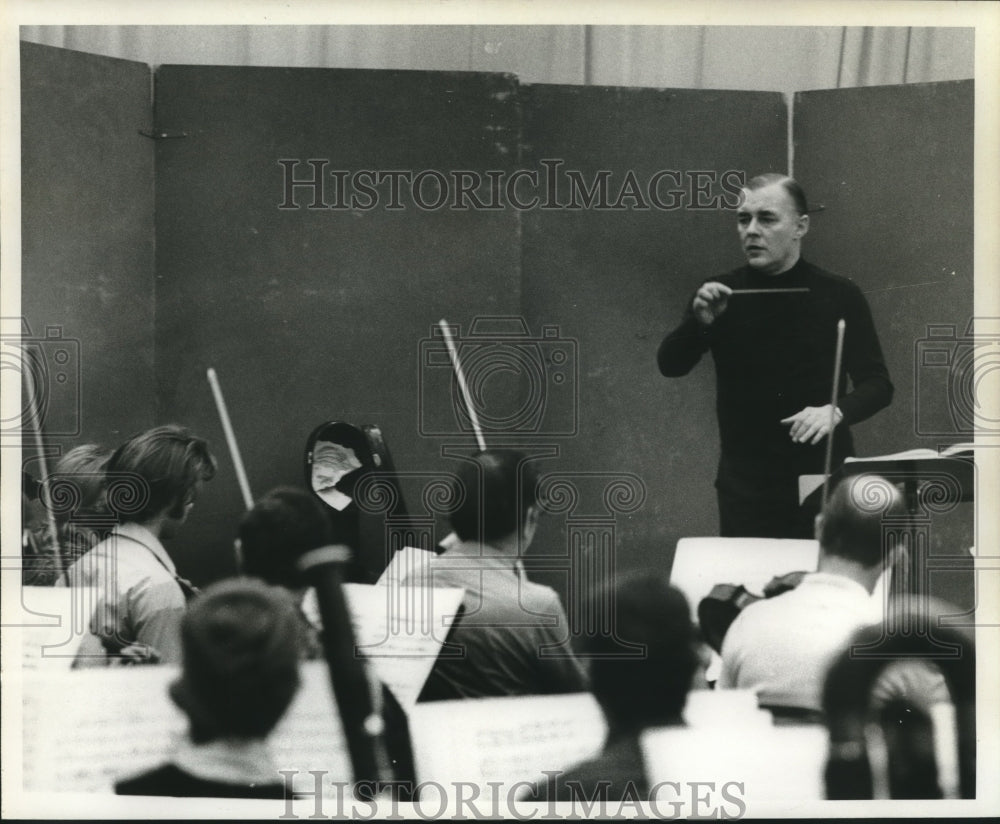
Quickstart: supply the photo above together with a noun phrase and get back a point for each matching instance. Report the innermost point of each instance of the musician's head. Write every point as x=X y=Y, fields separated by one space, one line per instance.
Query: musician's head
x=647 y=687
x=497 y=496
x=851 y=528
x=82 y=470
x=156 y=476
x=241 y=640
x=772 y=218
x=282 y=526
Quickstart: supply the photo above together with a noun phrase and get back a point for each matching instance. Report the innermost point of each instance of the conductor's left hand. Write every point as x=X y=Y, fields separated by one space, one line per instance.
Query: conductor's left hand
x=811 y=424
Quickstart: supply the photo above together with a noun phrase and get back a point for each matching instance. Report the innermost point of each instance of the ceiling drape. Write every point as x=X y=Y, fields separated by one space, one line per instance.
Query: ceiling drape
x=783 y=59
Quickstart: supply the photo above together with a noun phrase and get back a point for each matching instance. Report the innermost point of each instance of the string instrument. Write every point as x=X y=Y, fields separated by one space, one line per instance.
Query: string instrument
x=718 y=609
x=339 y=457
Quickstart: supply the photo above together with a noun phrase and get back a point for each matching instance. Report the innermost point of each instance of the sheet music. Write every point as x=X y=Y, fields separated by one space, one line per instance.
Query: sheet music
x=725 y=708
x=783 y=763
x=52 y=622
x=514 y=739
x=90 y=728
x=809 y=484
x=504 y=739
x=400 y=628
x=920 y=453
x=406 y=563
x=310 y=736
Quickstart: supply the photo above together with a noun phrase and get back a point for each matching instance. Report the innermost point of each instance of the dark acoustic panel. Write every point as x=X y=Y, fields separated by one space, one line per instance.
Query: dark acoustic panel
x=315 y=308
x=87 y=242
x=615 y=276
x=893 y=168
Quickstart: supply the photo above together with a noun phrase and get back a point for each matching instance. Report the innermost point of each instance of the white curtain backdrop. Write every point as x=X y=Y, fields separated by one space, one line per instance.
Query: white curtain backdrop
x=782 y=59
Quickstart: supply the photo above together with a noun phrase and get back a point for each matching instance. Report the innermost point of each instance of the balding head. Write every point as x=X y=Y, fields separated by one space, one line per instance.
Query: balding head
x=851 y=526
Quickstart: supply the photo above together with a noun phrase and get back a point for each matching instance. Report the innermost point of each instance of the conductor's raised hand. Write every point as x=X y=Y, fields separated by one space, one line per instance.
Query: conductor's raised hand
x=811 y=424
x=710 y=301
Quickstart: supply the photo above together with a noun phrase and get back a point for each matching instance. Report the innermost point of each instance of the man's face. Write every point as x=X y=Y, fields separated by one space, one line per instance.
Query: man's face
x=770 y=228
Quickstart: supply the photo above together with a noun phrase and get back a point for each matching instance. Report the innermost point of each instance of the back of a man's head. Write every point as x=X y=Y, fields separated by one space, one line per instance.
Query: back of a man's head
x=650 y=688
x=495 y=488
x=283 y=525
x=851 y=525
x=170 y=463
x=241 y=641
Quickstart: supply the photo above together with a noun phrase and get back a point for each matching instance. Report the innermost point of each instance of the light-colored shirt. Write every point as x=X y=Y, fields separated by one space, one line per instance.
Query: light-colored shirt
x=782 y=647
x=139 y=600
x=228 y=760
x=512 y=637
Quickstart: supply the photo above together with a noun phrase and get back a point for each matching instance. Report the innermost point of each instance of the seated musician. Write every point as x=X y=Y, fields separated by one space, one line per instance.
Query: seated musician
x=240 y=673
x=783 y=646
x=512 y=633
x=78 y=478
x=635 y=693
x=153 y=480
x=282 y=526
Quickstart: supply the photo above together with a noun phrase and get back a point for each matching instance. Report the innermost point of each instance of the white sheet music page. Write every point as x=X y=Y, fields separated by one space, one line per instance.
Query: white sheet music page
x=504 y=740
x=725 y=708
x=408 y=562
x=400 y=628
x=52 y=622
x=777 y=764
x=92 y=727
x=310 y=736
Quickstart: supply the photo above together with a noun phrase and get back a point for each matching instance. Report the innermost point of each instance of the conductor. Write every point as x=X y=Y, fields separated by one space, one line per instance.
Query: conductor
x=771 y=327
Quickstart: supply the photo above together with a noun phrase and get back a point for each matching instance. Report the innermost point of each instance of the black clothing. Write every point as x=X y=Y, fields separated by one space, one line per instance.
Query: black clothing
x=774 y=356
x=752 y=506
x=617 y=773
x=172 y=780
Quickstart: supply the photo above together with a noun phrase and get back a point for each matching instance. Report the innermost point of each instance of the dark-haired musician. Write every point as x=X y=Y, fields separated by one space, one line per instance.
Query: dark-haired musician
x=513 y=633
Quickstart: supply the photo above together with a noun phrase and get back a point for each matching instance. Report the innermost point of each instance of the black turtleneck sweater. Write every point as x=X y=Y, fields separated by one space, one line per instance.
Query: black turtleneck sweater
x=774 y=356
